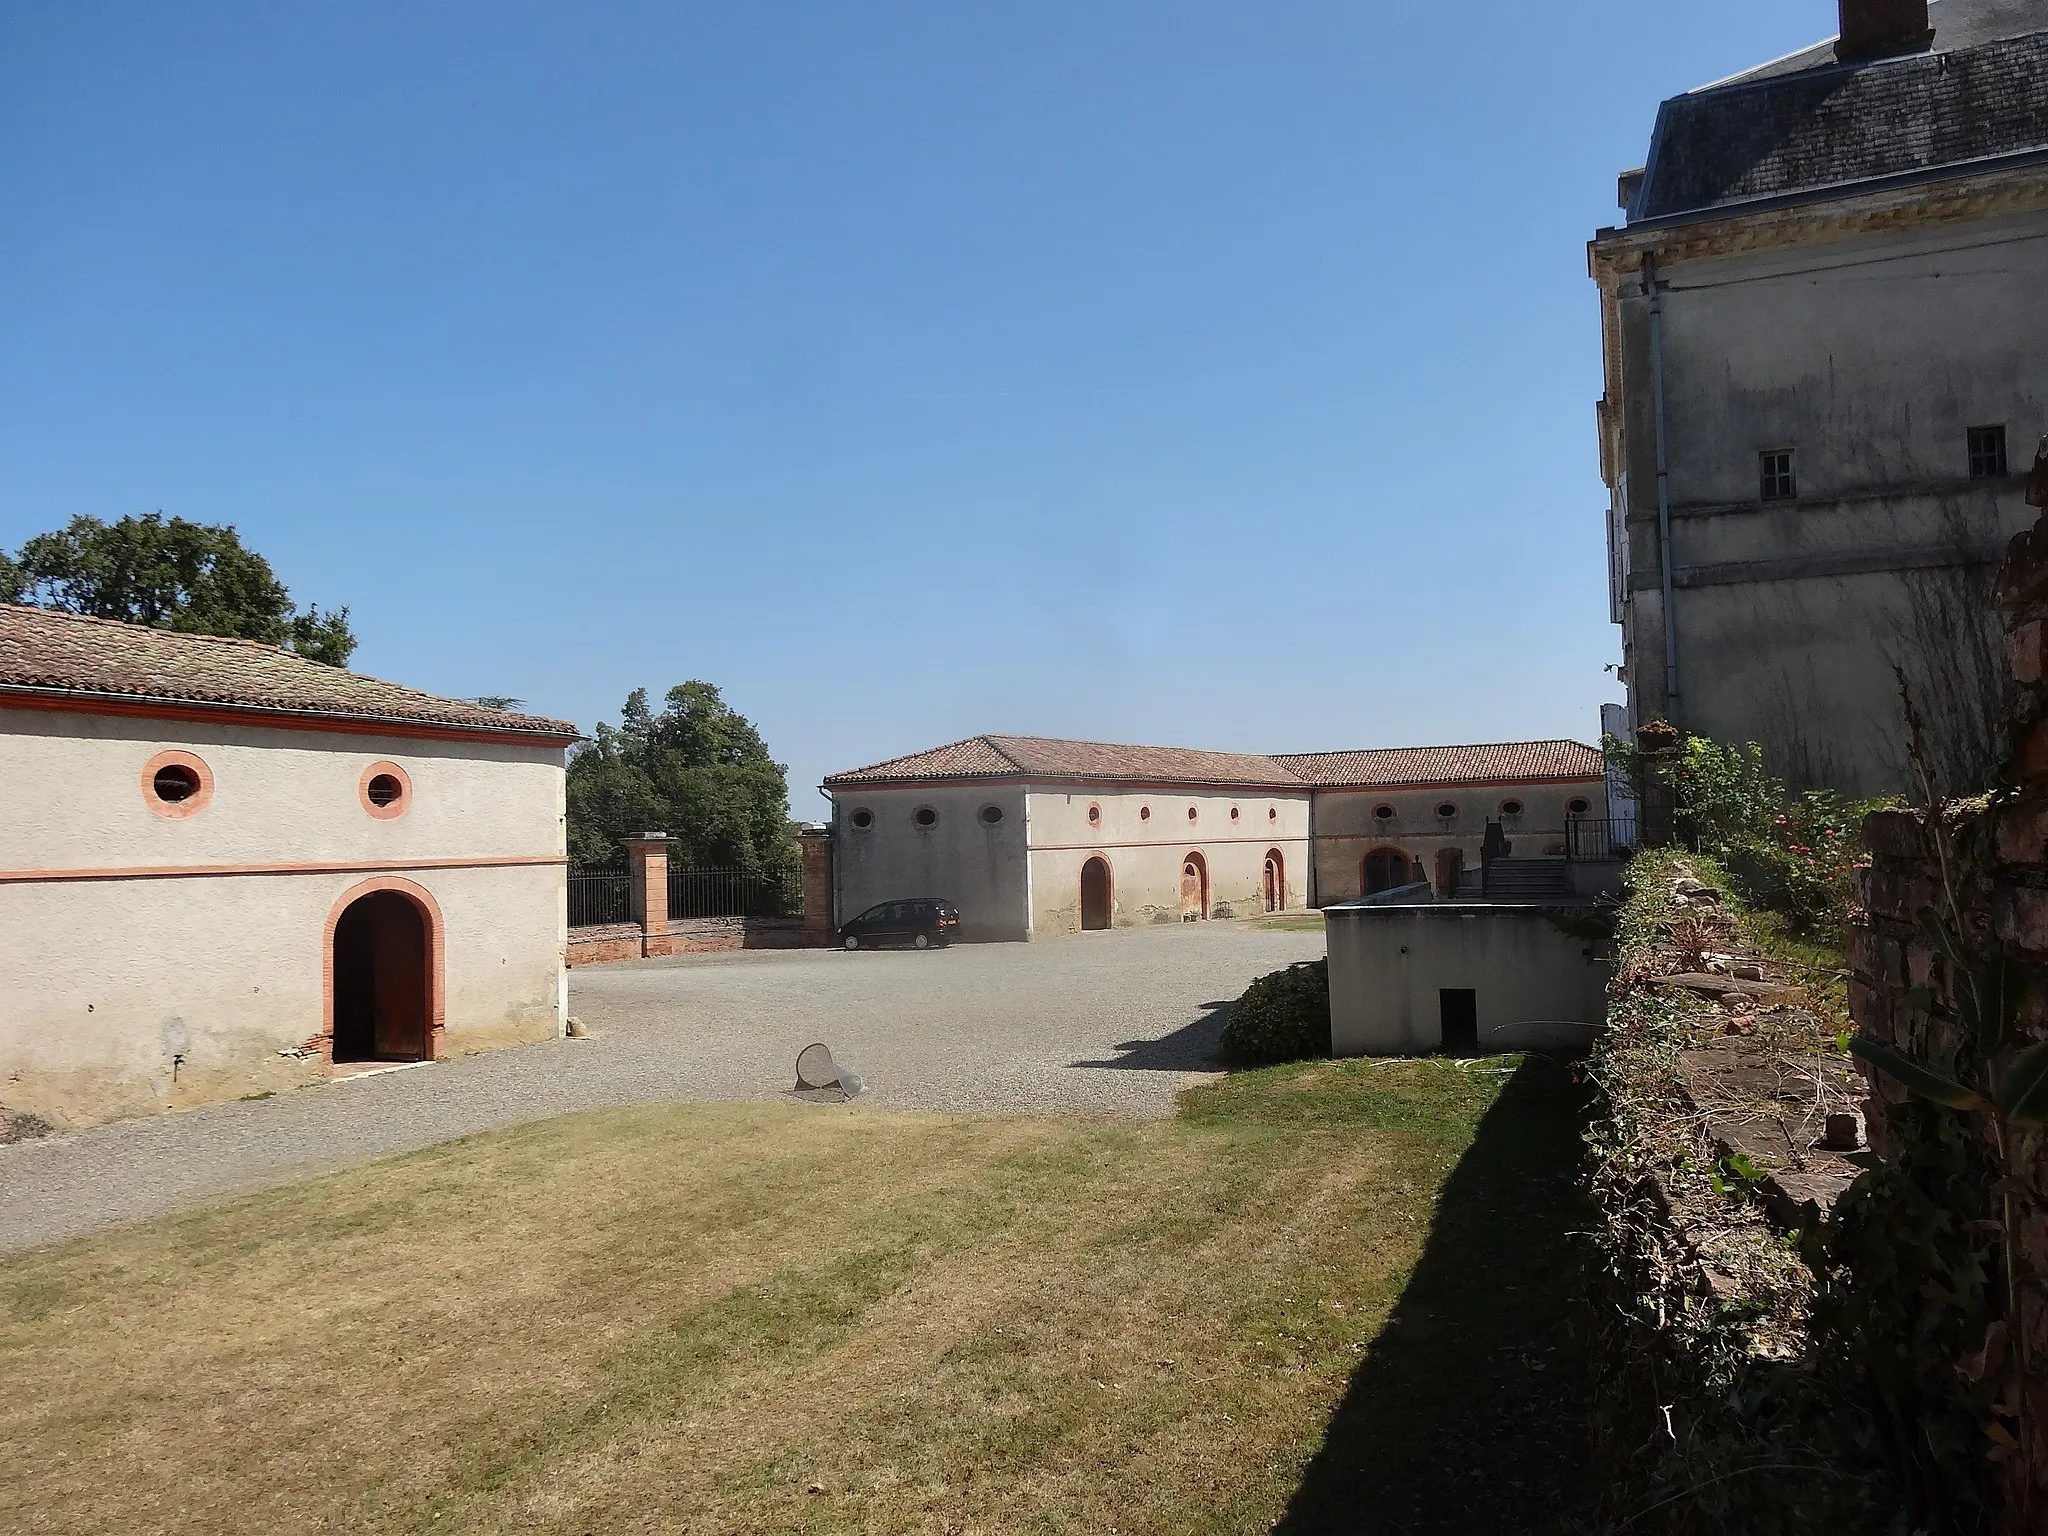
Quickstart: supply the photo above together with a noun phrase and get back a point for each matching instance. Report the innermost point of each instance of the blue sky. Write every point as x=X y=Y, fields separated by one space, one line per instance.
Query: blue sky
x=1214 y=375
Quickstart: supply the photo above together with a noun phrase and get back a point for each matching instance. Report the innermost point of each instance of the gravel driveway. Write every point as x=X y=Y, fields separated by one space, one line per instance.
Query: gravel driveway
x=1108 y=1022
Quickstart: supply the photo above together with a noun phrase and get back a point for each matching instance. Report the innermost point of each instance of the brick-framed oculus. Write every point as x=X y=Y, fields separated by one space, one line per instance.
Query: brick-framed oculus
x=176 y=784
x=385 y=790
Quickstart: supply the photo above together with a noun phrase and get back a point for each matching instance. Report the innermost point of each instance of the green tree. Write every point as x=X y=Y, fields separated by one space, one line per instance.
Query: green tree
x=171 y=574
x=698 y=771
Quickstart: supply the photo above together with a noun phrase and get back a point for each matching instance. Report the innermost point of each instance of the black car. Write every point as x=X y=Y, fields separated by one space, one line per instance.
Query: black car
x=922 y=924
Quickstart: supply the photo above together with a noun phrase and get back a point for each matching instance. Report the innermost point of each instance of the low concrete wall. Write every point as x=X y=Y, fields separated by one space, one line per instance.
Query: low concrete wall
x=1535 y=986
x=625 y=941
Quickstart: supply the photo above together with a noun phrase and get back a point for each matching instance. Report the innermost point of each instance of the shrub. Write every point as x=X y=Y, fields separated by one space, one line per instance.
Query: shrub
x=1281 y=1017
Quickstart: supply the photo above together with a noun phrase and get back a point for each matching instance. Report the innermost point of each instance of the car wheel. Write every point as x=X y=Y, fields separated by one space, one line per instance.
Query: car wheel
x=853 y=941
x=922 y=941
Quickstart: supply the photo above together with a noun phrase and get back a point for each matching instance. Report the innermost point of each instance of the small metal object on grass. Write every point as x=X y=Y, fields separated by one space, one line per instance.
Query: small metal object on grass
x=822 y=1080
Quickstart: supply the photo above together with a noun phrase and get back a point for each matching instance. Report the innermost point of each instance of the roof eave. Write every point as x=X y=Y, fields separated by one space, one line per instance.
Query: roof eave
x=86 y=700
x=1954 y=171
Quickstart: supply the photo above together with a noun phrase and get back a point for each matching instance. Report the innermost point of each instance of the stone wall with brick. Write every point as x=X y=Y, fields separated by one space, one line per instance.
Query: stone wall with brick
x=654 y=933
x=1955 y=899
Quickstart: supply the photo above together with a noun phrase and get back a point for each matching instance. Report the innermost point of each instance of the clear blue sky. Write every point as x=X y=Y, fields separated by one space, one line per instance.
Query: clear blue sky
x=1213 y=375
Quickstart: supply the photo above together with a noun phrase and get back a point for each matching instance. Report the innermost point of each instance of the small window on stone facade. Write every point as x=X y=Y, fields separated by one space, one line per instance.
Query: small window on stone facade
x=1094 y=815
x=1233 y=813
x=1578 y=805
x=1144 y=813
x=862 y=819
x=1987 y=453
x=1272 y=813
x=1775 y=481
x=925 y=816
x=991 y=814
x=384 y=789
x=1383 y=813
x=1511 y=807
x=1447 y=810
x=1191 y=813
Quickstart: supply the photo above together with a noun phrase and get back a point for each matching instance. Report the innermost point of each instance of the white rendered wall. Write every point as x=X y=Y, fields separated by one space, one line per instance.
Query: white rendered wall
x=977 y=865
x=103 y=980
x=1145 y=853
x=1870 y=359
x=1535 y=987
x=1347 y=830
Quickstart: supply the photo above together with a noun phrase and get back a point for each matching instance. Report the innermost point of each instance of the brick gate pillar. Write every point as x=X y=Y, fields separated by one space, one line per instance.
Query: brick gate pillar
x=648 y=859
x=817 y=845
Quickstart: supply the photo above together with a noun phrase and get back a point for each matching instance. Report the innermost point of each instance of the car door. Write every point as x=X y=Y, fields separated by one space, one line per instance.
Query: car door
x=889 y=925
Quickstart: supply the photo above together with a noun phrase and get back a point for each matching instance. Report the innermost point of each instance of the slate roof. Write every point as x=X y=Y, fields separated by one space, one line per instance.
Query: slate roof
x=1040 y=757
x=1785 y=132
x=42 y=651
x=1956 y=24
x=1500 y=762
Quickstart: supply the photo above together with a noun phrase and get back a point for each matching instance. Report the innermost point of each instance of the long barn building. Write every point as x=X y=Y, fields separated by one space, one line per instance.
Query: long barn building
x=1031 y=836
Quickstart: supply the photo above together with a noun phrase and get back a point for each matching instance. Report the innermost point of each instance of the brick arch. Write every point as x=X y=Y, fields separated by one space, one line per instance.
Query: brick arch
x=1384 y=856
x=430 y=914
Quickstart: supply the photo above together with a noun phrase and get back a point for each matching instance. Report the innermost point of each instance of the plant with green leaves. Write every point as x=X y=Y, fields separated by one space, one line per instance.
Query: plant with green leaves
x=169 y=573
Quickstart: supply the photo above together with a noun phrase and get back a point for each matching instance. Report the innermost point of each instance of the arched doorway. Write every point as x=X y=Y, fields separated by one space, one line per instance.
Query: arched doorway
x=1276 y=880
x=1194 y=888
x=1385 y=869
x=1097 y=894
x=383 y=980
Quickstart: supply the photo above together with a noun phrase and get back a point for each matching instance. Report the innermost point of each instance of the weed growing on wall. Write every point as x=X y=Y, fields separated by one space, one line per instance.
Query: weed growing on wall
x=1791 y=854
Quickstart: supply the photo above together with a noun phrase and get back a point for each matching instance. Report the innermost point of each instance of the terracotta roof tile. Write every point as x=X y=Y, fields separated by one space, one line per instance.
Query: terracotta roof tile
x=1041 y=757
x=61 y=652
x=1500 y=762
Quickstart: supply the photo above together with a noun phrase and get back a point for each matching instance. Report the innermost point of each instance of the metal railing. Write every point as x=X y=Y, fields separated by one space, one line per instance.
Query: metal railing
x=599 y=896
x=1599 y=837
x=735 y=893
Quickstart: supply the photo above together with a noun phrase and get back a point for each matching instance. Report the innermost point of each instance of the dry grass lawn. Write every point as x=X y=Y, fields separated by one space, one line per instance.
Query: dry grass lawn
x=747 y=1318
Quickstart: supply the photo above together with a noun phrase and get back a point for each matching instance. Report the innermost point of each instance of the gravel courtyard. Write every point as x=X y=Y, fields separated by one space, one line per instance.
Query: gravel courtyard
x=1109 y=1022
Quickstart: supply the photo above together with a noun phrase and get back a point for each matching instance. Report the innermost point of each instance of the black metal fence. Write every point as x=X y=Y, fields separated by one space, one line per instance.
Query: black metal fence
x=735 y=893
x=600 y=896
x=1598 y=837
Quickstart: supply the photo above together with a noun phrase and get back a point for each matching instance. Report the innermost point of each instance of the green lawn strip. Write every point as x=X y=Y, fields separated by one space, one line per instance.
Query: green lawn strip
x=690 y=1317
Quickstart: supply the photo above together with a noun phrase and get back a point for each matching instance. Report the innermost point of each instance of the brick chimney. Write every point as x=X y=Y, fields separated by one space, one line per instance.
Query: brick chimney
x=1882 y=29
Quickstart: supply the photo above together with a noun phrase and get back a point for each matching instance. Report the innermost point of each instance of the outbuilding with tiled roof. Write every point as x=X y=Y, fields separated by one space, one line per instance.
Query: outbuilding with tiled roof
x=1033 y=835
x=228 y=869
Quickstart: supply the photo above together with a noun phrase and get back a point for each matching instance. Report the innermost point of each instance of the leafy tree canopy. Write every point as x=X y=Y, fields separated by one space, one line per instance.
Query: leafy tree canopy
x=171 y=574
x=698 y=771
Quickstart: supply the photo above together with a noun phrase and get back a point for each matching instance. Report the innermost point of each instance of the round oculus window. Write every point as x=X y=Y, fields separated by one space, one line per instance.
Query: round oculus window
x=1511 y=807
x=1094 y=814
x=1233 y=813
x=1383 y=813
x=1447 y=810
x=386 y=790
x=1144 y=813
x=174 y=782
x=1577 y=806
x=925 y=816
x=862 y=819
x=176 y=785
x=991 y=814
x=1272 y=813
x=1191 y=813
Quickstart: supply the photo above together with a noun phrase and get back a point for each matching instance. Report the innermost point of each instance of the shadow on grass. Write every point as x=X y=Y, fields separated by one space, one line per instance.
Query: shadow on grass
x=1470 y=1413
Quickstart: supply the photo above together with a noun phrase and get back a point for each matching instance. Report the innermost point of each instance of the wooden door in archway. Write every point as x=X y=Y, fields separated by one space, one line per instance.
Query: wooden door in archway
x=1276 y=880
x=1097 y=894
x=1194 y=888
x=381 y=980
